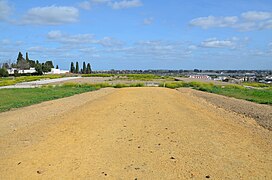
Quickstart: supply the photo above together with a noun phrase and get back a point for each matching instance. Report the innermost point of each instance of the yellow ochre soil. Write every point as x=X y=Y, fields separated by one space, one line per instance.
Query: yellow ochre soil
x=132 y=133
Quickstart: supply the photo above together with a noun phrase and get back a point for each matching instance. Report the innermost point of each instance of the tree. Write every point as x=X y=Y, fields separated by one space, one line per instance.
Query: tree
x=49 y=64
x=88 y=71
x=4 y=72
x=27 y=59
x=38 y=68
x=77 y=68
x=57 y=67
x=22 y=64
x=84 y=68
x=72 y=68
x=20 y=57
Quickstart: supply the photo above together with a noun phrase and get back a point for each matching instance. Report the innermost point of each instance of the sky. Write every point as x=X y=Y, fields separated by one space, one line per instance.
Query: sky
x=139 y=34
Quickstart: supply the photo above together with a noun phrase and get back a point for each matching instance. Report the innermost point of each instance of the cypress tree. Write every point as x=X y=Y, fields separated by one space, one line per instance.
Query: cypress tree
x=84 y=68
x=57 y=67
x=72 y=68
x=27 y=59
x=77 y=68
x=20 y=57
x=88 y=71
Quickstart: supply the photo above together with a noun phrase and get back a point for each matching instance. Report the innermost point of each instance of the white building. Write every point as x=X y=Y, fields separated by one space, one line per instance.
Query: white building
x=28 y=71
x=57 y=71
x=200 y=77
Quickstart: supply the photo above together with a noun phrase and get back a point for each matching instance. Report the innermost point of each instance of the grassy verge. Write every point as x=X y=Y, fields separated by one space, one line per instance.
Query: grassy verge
x=11 y=81
x=15 y=98
x=262 y=96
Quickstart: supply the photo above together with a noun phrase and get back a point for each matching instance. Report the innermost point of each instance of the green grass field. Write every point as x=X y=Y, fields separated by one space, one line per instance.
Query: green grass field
x=15 y=98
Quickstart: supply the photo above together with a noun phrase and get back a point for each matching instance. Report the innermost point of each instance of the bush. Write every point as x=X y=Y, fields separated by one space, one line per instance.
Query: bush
x=4 y=72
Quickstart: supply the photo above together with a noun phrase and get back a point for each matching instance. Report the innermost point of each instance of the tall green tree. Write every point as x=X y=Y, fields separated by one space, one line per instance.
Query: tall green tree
x=20 y=57
x=88 y=71
x=77 y=68
x=57 y=67
x=27 y=59
x=84 y=68
x=72 y=67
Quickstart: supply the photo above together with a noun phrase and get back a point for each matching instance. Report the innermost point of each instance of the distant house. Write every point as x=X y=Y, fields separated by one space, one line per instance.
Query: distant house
x=57 y=71
x=206 y=77
x=26 y=71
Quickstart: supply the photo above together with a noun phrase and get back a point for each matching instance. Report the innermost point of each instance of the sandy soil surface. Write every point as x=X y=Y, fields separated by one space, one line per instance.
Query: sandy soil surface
x=133 y=133
x=260 y=112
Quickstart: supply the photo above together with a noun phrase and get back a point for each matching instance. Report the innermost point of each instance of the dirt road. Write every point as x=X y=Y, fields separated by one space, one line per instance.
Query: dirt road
x=133 y=133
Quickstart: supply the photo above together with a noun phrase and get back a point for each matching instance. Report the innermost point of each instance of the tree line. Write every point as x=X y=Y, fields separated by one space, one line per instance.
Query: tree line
x=84 y=70
x=26 y=63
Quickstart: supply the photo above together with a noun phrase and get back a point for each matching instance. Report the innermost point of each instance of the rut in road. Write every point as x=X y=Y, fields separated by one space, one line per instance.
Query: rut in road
x=139 y=133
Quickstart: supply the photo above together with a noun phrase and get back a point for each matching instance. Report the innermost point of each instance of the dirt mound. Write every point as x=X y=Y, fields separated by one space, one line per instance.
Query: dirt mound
x=135 y=133
x=260 y=112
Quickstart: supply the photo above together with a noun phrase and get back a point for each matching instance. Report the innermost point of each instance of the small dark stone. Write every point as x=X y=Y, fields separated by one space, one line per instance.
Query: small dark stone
x=135 y=179
x=139 y=147
x=172 y=157
x=39 y=172
x=19 y=163
x=105 y=174
x=159 y=144
x=207 y=176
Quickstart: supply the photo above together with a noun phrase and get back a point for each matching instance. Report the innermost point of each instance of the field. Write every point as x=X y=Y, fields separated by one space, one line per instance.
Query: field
x=132 y=133
x=14 y=80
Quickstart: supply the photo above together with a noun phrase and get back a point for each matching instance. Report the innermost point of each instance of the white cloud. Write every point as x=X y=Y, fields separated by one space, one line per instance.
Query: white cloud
x=124 y=4
x=211 y=21
x=214 y=43
x=85 y=5
x=5 y=10
x=80 y=39
x=148 y=21
x=248 y=21
x=51 y=15
x=256 y=15
x=58 y=36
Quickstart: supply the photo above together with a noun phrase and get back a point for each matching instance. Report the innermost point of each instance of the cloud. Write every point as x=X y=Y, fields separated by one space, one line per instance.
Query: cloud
x=256 y=15
x=81 y=39
x=51 y=15
x=60 y=37
x=247 y=21
x=148 y=21
x=85 y=5
x=126 y=4
x=5 y=10
x=215 y=43
x=211 y=21
x=123 y=4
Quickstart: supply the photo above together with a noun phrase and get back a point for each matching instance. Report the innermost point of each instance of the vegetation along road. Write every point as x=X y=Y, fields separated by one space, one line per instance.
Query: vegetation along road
x=132 y=133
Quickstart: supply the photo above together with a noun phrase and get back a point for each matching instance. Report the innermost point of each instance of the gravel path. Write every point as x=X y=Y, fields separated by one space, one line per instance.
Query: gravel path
x=34 y=84
x=132 y=133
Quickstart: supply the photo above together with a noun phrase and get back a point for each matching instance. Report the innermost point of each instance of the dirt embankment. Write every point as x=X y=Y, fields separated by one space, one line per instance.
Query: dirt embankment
x=134 y=133
x=260 y=112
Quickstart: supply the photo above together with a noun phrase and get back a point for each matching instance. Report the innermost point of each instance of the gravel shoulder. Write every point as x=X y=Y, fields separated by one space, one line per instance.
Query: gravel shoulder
x=132 y=133
x=259 y=112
